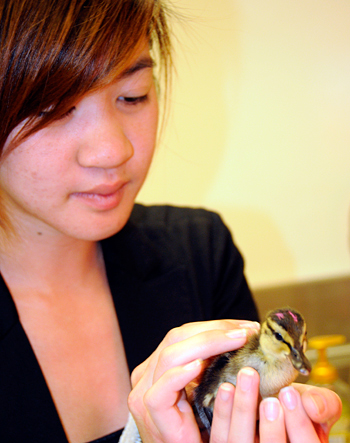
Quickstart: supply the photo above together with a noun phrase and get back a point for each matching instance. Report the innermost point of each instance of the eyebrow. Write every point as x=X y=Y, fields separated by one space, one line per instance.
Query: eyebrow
x=142 y=63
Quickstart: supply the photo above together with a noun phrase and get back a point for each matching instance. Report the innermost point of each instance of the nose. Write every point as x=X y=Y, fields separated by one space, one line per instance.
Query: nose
x=105 y=144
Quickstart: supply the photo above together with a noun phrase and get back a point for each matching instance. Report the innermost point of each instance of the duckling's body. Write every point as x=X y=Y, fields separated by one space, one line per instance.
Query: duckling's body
x=276 y=353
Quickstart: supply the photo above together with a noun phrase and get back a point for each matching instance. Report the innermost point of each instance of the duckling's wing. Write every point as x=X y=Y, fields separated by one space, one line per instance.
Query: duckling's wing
x=205 y=393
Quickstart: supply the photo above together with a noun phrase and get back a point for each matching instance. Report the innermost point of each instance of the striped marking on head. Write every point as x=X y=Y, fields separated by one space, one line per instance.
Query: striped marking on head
x=294 y=317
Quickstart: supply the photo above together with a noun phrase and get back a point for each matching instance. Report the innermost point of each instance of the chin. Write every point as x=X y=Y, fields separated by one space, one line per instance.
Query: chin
x=102 y=227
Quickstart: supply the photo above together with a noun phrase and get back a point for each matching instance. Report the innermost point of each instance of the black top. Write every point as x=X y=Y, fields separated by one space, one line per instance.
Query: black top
x=166 y=267
x=110 y=438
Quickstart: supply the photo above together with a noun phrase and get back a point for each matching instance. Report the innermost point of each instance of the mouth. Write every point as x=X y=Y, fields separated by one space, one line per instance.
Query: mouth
x=105 y=189
x=300 y=362
x=102 y=197
x=304 y=371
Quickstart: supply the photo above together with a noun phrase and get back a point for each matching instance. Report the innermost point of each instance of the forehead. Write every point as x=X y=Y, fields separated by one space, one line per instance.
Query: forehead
x=140 y=60
x=144 y=61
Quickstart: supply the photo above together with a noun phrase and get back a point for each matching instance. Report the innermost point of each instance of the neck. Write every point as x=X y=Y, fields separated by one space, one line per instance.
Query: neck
x=48 y=261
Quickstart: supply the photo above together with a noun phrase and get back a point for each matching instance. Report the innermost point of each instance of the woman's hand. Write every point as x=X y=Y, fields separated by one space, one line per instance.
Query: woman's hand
x=158 y=401
x=312 y=410
x=235 y=410
x=303 y=413
x=163 y=415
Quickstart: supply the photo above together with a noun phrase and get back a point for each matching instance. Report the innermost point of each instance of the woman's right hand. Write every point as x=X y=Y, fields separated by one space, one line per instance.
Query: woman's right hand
x=158 y=400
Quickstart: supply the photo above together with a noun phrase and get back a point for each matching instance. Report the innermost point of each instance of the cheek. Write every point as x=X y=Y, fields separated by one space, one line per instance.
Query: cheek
x=30 y=173
x=143 y=138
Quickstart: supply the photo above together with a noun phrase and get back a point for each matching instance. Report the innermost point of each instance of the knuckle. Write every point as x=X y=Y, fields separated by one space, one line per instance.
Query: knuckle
x=150 y=401
x=166 y=358
x=304 y=421
x=174 y=335
x=135 y=403
x=218 y=438
x=135 y=376
x=244 y=406
x=221 y=416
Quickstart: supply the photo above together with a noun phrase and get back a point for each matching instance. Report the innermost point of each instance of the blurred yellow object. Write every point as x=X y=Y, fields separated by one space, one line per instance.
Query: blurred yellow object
x=323 y=371
x=326 y=375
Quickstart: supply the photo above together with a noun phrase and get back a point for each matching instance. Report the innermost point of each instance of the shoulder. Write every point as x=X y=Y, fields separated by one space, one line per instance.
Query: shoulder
x=164 y=237
x=188 y=227
x=163 y=241
x=169 y=235
x=173 y=217
x=193 y=237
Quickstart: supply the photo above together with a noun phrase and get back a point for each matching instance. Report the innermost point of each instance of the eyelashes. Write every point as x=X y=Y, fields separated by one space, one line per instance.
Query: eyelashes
x=44 y=113
x=124 y=101
x=132 y=101
x=128 y=101
x=66 y=114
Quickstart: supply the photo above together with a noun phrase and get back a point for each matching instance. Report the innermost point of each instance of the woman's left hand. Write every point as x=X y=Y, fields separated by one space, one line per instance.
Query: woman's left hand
x=314 y=410
x=301 y=414
x=305 y=413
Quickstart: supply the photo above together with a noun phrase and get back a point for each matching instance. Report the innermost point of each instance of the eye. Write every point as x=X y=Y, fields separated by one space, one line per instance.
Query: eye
x=66 y=114
x=132 y=101
x=278 y=336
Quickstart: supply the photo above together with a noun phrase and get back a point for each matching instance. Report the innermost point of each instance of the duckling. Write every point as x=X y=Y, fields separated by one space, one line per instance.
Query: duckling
x=277 y=353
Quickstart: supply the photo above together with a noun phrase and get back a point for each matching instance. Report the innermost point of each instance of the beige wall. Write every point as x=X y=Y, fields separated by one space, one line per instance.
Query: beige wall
x=260 y=131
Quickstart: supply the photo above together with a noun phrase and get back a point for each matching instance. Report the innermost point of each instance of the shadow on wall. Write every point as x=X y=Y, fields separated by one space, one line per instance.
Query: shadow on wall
x=193 y=145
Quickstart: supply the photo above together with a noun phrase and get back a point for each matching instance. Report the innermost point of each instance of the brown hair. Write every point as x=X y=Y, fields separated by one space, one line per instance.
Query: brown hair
x=54 y=51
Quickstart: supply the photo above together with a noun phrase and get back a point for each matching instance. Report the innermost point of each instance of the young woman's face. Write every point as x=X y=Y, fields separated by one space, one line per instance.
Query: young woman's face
x=80 y=175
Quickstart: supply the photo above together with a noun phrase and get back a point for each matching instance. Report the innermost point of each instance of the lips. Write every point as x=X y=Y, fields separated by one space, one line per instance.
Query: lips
x=105 y=189
x=103 y=196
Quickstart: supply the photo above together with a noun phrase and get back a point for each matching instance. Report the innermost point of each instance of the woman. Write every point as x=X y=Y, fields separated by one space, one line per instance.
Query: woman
x=91 y=283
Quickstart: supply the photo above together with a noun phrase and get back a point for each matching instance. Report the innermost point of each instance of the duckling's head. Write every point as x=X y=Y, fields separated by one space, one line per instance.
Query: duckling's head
x=283 y=335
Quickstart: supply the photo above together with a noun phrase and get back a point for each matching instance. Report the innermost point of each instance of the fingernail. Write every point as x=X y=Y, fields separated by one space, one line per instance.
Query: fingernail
x=184 y=406
x=193 y=364
x=289 y=398
x=250 y=325
x=245 y=377
x=225 y=391
x=318 y=401
x=271 y=408
x=237 y=333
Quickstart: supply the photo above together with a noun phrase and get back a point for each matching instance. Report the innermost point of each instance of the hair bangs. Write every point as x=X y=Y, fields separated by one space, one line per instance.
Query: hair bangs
x=73 y=47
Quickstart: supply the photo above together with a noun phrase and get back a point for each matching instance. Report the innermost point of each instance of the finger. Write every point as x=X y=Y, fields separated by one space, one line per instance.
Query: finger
x=139 y=371
x=167 y=405
x=222 y=414
x=243 y=421
x=322 y=405
x=203 y=345
x=271 y=425
x=176 y=335
x=188 y=330
x=299 y=427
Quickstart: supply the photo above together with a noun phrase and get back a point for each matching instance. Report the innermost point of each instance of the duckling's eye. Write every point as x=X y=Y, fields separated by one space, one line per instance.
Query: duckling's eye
x=278 y=336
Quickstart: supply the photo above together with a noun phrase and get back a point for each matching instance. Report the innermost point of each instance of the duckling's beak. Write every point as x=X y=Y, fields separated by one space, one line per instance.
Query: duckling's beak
x=299 y=361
